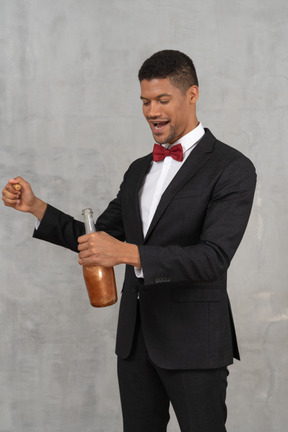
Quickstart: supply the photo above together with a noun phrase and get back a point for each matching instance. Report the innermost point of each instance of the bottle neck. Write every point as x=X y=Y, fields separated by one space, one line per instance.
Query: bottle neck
x=88 y=221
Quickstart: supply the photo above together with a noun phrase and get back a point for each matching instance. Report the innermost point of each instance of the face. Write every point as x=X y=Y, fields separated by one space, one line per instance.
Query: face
x=169 y=112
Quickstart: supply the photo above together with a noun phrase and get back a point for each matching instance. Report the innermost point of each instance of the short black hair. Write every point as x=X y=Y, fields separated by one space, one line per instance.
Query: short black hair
x=175 y=65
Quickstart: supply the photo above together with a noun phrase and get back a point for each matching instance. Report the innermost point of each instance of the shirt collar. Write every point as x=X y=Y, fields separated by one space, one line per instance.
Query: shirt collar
x=190 y=139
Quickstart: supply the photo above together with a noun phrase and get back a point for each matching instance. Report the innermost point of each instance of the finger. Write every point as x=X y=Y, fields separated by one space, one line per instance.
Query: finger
x=18 y=183
x=10 y=202
x=15 y=183
x=86 y=254
x=88 y=260
x=82 y=261
x=82 y=246
x=10 y=194
x=17 y=179
x=10 y=189
x=83 y=239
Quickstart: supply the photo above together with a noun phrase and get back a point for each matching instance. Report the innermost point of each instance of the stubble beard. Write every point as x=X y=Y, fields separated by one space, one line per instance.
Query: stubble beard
x=171 y=138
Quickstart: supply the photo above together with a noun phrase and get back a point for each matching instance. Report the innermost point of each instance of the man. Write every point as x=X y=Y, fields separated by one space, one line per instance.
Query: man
x=176 y=223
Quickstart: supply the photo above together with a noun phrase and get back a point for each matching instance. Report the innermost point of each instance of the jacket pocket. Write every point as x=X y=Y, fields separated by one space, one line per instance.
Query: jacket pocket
x=194 y=294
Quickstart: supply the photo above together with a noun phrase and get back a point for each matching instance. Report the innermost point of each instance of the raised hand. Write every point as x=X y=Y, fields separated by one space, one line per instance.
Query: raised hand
x=19 y=195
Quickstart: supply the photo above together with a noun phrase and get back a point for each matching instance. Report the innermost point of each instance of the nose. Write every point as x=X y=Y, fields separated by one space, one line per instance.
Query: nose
x=154 y=110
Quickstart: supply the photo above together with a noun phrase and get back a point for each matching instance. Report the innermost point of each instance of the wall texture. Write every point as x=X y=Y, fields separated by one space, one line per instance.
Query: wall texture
x=69 y=99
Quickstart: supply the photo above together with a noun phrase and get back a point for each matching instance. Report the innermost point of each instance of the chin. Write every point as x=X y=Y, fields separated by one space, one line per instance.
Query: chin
x=160 y=140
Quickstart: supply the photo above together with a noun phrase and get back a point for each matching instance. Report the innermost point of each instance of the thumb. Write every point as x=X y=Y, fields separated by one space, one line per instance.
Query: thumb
x=18 y=181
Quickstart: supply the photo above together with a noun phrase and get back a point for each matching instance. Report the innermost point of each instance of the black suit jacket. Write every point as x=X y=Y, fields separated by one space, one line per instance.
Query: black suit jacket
x=198 y=225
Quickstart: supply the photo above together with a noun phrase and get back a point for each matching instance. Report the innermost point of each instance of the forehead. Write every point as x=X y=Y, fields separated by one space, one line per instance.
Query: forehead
x=158 y=86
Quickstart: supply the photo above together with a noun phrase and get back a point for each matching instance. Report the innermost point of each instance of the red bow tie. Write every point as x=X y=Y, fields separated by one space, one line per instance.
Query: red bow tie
x=160 y=152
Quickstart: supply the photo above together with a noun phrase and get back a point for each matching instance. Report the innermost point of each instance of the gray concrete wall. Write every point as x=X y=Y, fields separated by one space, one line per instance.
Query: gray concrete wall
x=69 y=99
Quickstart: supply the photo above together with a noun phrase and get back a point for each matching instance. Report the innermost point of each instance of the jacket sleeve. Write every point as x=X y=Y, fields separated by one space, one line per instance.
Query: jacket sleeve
x=63 y=230
x=223 y=227
x=60 y=229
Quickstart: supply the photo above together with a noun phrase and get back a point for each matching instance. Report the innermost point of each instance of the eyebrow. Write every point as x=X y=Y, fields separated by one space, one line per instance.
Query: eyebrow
x=159 y=96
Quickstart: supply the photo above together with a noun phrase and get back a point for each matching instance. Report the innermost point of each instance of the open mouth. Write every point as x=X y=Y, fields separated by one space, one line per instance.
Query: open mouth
x=159 y=125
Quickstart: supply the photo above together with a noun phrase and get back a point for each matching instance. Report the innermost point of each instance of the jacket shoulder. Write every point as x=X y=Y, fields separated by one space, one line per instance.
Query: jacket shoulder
x=226 y=153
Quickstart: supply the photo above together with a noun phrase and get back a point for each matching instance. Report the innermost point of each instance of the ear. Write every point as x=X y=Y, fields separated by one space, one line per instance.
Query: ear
x=193 y=94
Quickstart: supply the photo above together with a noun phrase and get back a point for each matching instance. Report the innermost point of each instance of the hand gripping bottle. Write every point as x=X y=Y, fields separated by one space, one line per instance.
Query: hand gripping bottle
x=100 y=281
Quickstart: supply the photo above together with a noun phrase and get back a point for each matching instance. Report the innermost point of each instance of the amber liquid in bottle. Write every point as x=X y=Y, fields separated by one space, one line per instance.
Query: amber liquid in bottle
x=99 y=280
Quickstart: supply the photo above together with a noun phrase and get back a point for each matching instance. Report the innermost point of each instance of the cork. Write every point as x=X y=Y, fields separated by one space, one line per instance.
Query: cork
x=17 y=186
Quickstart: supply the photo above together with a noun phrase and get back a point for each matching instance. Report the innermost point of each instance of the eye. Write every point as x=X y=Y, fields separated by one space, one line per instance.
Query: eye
x=165 y=101
x=145 y=103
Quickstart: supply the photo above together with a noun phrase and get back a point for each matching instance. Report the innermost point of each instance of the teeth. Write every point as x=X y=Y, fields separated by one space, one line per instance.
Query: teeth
x=158 y=125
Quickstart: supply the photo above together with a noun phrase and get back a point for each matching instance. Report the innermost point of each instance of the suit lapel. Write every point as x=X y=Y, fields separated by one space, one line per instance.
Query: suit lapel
x=197 y=158
x=142 y=170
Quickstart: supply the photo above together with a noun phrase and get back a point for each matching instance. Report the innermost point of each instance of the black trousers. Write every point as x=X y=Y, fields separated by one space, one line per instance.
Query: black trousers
x=197 y=396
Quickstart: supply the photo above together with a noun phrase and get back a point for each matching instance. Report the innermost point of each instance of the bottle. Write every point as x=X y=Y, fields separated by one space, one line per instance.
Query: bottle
x=100 y=281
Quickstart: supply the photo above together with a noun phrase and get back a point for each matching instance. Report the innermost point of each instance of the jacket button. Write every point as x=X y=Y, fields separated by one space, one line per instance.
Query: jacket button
x=162 y=279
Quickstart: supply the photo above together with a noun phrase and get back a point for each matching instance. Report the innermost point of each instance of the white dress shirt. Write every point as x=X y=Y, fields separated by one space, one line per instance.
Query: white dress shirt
x=159 y=177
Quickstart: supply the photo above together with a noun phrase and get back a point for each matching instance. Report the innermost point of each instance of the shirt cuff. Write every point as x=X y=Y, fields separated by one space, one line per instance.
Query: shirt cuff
x=139 y=272
x=37 y=224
